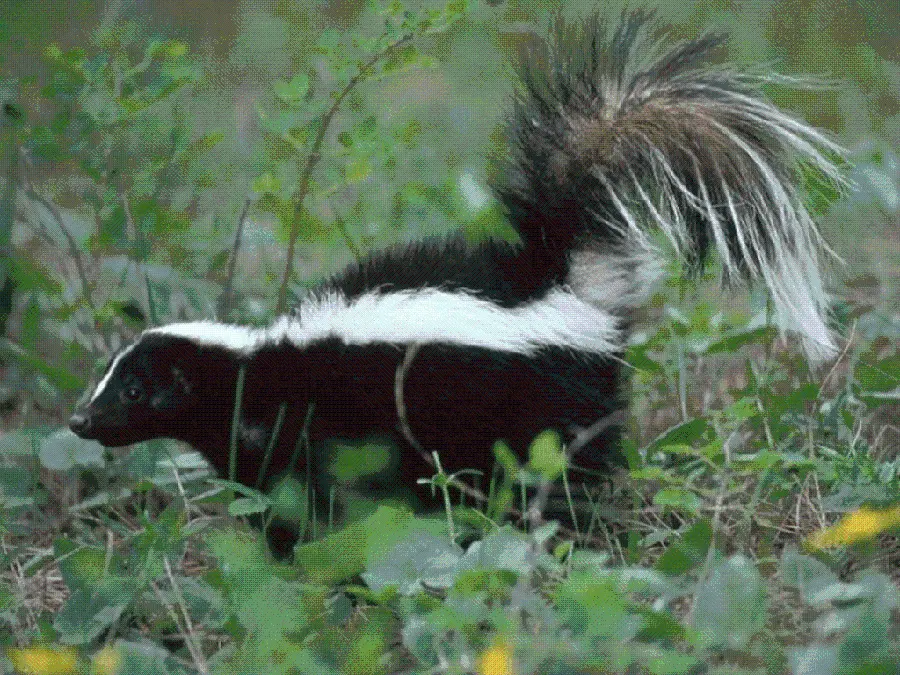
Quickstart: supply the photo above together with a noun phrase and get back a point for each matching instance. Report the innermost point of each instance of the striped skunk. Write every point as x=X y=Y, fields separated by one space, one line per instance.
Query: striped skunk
x=447 y=346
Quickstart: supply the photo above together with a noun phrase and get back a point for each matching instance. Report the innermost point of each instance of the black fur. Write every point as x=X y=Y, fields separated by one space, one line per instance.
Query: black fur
x=459 y=400
x=507 y=274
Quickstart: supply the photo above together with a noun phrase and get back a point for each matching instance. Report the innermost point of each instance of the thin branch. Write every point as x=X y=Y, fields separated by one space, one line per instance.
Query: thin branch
x=72 y=245
x=587 y=434
x=226 y=298
x=311 y=162
x=164 y=172
x=136 y=236
x=70 y=240
x=400 y=403
x=182 y=621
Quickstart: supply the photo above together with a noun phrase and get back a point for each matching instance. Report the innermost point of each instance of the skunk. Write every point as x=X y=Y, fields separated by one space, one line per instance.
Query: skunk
x=618 y=144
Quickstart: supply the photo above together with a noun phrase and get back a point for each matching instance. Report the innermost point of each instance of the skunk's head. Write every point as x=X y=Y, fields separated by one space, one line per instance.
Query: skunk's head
x=149 y=390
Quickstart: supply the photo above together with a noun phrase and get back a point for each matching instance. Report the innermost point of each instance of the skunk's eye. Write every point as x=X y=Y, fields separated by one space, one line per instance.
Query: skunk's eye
x=132 y=393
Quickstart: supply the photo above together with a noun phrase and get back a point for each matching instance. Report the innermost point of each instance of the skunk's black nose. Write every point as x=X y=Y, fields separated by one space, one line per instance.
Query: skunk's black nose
x=80 y=424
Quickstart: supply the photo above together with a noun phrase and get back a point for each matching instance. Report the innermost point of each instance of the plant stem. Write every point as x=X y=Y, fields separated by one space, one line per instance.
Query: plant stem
x=227 y=292
x=313 y=159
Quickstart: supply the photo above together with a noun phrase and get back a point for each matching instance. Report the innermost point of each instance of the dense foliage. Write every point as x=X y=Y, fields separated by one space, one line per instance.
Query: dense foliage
x=754 y=529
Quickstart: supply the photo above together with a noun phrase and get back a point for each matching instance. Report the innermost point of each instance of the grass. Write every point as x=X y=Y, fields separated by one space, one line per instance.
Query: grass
x=706 y=555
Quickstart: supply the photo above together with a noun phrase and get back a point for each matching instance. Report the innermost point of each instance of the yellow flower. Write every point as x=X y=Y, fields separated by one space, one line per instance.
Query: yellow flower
x=861 y=525
x=497 y=660
x=107 y=661
x=44 y=661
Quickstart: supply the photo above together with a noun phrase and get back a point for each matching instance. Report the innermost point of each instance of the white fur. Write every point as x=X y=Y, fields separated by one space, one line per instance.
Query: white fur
x=777 y=241
x=560 y=319
x=614 y=281
x=110 y=372
x=765 y=207
x=430 y=316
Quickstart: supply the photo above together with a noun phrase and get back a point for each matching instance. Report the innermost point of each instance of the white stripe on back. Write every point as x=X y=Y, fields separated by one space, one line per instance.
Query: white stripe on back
x=425 y=316
x=560 y=319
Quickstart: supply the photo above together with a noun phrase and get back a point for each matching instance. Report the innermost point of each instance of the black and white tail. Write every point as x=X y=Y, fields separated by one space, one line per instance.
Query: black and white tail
x=617 y=136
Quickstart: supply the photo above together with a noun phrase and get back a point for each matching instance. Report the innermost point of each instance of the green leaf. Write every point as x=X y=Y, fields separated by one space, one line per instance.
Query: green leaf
x=685 y=433
x=506 y=458
x=53 y=52
x=357 y=170
x=290 y=500
x=410 y=133
x=730 y=604
x=345 y=553
x=245 y=506
x=204 y=144
x=742 y=410
x=345 y=139
x=86 y=615
x=593 y=607
x=879 y=375
x=673 y=662
x=808 y=575
x=175 y=49
x=688 y=552
x=678 y=499
x=546 y=455
x=270 y=615
x=506 y=549
x=293 y=91
x=31 y=325
x=349 y=462
x=267 y=184
x=64 y=450
x=639 y=357
x=16 y=487
x=732 y=343
x=80 y=566
x=818 y=659
x=403 y=59
x=456 y=8
x=58 y=376
x=412 y=565
x=329 y=39
x=793 y=401
x=867 y=647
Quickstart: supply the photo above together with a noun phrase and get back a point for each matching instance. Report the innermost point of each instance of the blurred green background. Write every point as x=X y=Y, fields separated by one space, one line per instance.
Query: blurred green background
x=456 y=107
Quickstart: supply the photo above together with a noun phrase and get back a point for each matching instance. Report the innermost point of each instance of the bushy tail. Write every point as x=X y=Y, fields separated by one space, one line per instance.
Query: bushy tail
x=615 y=137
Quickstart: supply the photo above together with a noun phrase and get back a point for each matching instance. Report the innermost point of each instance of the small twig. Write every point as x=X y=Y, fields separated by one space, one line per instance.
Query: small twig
x=226 y=298
x=170 y=159
x=838 y=360
x=588 y=434
x=399 y=401
x=137 y=238
x=535 y=512
x=70 y=240
x=406 y=430
x=445 y=492
x=129 y=218
x=235 y=423
x=183 y=621
x=303 y=444
x=270 y=448
x=72 y=245
x=313 y=159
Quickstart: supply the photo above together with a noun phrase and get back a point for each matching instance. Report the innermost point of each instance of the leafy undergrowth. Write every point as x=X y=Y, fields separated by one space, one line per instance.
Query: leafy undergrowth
x=756 y=536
